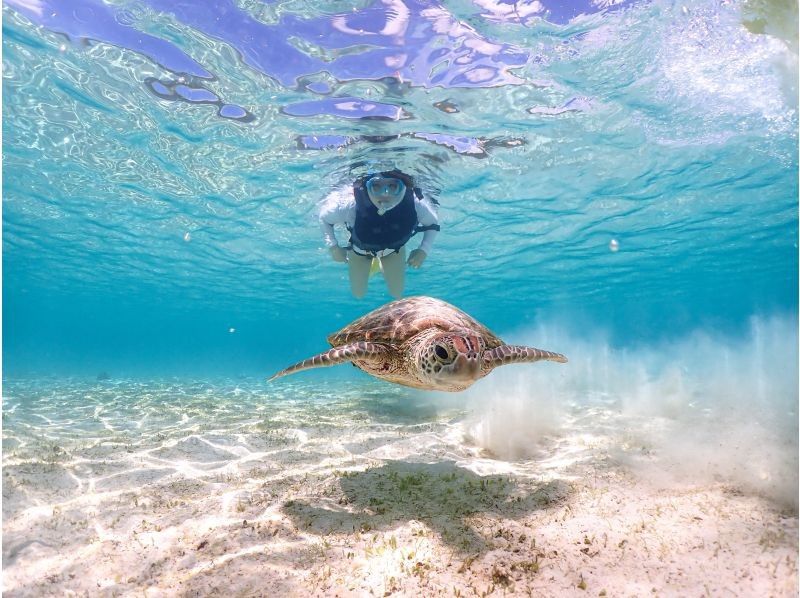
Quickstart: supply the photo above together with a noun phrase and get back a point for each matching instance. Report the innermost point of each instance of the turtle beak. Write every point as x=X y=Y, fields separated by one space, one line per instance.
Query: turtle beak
x=466 y=366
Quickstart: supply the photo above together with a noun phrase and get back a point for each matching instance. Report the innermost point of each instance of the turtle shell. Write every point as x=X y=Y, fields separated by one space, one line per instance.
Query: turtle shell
x=396 y=322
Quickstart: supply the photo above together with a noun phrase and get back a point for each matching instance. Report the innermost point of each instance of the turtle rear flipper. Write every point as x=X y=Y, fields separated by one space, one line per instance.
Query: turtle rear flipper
x=361 y=350
x=506 y=354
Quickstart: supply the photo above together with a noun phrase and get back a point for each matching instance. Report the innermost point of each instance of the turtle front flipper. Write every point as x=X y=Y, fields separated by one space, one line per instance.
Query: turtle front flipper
x=506 y=354
x=337 y=355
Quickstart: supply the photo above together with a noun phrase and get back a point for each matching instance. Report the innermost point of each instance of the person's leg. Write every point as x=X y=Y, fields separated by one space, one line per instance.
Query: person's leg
x=394 y=272
x=359 y=266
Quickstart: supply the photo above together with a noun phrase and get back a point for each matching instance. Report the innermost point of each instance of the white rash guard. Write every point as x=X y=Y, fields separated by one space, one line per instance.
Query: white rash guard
x=340 y=208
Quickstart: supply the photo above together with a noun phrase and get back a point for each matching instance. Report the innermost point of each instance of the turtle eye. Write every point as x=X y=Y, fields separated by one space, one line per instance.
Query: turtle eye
x=441 y=352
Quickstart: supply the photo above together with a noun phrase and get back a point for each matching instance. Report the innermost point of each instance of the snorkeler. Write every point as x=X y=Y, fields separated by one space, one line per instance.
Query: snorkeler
x=382 y=213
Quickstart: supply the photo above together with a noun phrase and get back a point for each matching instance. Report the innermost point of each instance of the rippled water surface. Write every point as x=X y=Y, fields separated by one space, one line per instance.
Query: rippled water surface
x=617 y=182
x=164 y=161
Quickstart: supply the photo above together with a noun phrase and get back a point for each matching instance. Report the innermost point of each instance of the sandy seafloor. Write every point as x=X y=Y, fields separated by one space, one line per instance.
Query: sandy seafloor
x=363 y=488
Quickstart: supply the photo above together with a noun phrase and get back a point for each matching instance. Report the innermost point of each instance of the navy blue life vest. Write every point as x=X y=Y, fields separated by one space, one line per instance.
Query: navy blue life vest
x=372 y=232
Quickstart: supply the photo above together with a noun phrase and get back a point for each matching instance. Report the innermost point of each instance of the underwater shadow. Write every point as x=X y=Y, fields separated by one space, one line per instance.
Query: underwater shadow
x=394 y=408
x=441 y=495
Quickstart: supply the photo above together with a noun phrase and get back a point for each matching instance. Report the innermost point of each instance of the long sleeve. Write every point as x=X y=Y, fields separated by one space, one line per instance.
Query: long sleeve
x=337 y=208
x=427 y=217
x=327 y=233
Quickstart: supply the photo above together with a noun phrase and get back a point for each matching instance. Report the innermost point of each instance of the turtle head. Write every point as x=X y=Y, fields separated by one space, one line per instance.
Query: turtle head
x=451 y=361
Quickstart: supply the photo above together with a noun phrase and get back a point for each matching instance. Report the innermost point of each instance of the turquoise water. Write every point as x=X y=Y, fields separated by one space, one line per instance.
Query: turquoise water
x=617 y=182
x=138 y=230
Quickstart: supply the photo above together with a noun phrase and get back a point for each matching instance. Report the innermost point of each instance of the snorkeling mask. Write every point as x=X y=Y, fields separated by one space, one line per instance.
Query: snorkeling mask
x=385 y=192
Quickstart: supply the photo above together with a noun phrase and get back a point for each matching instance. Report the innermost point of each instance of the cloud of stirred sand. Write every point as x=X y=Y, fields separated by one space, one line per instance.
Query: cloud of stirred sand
x=702 y=409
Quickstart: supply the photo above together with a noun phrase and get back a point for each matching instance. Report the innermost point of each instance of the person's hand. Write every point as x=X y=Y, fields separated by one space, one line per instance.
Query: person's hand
x=416 y=258
x=339 y=254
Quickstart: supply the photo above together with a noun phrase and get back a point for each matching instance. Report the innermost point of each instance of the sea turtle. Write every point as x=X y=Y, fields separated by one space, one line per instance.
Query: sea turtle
x=421 y=342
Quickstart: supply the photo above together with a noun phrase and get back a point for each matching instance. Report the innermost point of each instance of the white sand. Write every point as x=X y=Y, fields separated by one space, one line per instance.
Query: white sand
x=269 y=503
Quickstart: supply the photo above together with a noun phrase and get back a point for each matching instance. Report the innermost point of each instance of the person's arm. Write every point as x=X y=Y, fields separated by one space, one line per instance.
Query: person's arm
x=335 y=210
x=426 y=217
x=328 y=235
